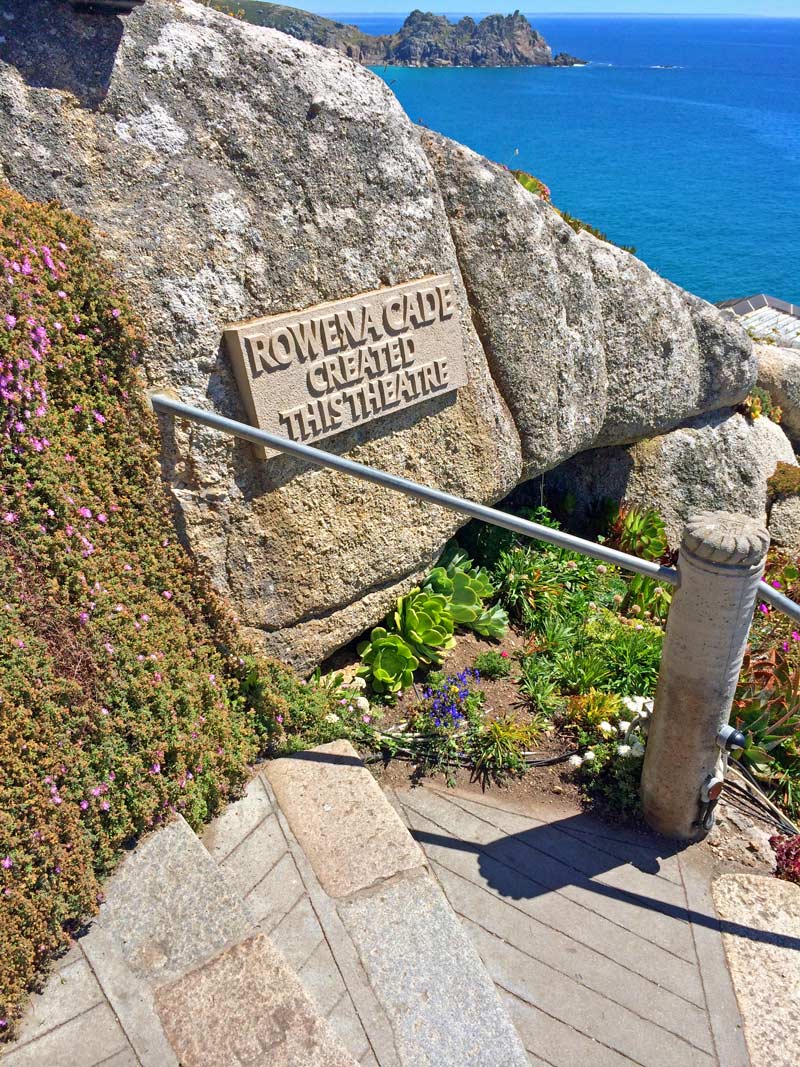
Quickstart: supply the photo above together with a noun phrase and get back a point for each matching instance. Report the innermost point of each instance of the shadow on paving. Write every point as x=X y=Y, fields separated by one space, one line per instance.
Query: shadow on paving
x=508 y=866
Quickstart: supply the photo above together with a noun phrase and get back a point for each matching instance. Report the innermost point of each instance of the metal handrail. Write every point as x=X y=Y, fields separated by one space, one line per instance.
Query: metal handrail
x=668 y=575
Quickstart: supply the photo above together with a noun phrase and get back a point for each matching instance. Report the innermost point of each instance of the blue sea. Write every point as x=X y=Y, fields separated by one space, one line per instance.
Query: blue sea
x=681 y=137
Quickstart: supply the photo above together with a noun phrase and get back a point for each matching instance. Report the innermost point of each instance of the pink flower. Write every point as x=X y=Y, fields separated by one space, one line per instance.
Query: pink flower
x=504 y=654
x=10 y=517
x=116 y=313
x=85 y=513
x=102 y=518
x=11 y=321
x=84 y=805
x=763 y=609
x=795 y=635
x=98 y=417
x=775 y=585
x=7 y=863
x=156 y=768
x=166 y=594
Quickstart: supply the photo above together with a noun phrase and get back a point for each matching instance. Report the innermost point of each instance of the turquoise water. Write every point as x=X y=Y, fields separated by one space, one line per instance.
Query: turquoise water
x=698 y=166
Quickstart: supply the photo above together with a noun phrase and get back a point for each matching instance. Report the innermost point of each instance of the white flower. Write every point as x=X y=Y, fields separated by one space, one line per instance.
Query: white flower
x=358 y=682
x=588 y=756
x=623 y=750
x=637 y=749
x=624 y=726
x=605 y=727
x=362 y=703
x=333 y=717
x=633 y=704
x=575 y=761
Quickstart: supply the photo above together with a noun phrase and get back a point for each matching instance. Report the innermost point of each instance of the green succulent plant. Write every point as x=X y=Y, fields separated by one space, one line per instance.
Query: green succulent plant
x=389 y=663
x=466 y=587
x=424 y=621
x=492 y=622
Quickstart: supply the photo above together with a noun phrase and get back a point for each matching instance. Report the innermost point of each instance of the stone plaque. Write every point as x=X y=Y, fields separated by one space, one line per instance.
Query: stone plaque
x=309 y=374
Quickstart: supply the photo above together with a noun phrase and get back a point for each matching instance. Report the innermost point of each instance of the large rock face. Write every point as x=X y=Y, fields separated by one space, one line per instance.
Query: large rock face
x=235 y=172
x=718 y=462
x=779 y=375
x=587 y=345
x=223 y=197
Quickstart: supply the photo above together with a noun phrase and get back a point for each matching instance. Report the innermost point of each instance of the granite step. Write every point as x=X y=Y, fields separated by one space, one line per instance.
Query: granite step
x=173 y=971
x=422 y=995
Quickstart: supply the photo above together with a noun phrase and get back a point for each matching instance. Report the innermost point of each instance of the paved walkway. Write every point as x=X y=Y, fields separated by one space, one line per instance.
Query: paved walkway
x=307 y=928
x=606 y=948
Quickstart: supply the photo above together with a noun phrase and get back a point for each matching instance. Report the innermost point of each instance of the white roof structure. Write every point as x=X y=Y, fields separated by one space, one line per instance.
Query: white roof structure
x=767 y=318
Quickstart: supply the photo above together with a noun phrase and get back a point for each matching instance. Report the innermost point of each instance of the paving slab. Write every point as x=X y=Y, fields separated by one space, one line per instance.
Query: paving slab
x=570 y=959
x=445 y=849
x=169 y=906
x=444 y=1008
x=85 y=1041
x=336 y=810
x=70 y=991
x=131 y=998
x=227 y=831
x=554 y=862
x=641 y=983
x=557 y=1043
x=761 y=932
x=247 y=1008
x=595 y=1015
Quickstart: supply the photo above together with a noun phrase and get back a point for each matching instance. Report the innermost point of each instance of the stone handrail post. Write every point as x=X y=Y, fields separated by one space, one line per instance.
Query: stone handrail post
x=720 y=564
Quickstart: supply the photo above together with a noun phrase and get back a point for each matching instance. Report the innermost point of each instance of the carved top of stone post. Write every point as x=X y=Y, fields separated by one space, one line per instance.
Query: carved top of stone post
x=725 y=538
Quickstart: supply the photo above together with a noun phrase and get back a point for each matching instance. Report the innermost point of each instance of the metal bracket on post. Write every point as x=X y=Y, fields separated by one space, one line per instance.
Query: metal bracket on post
x=720 y=565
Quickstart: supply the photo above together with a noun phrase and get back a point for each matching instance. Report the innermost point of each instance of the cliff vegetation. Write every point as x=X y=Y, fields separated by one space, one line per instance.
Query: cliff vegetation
x=126 y=694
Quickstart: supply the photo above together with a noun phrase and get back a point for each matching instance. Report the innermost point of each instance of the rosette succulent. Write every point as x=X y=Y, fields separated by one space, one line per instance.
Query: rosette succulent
x=492 y=622
x=389 y=662
x=466 y=587
x=423 y=619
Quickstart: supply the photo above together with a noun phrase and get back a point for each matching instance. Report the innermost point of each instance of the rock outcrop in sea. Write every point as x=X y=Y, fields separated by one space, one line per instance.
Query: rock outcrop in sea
x=424 y=39
x=234 y=172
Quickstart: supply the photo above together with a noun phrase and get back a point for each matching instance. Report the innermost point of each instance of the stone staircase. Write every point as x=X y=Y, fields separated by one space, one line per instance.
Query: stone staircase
x=304 y=929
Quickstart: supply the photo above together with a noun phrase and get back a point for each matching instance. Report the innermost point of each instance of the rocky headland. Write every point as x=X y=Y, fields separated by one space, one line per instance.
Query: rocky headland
x=424 y=40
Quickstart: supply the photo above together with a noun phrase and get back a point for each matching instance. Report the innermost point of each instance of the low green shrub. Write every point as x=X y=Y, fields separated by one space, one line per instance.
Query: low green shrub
x=492 y=665
x=126 y=694
x=784 y=482
x=759 y=403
